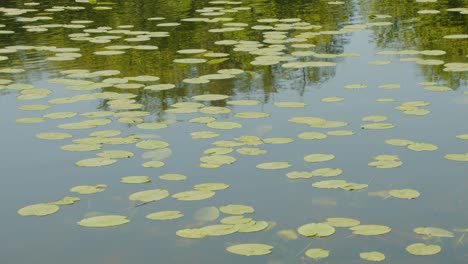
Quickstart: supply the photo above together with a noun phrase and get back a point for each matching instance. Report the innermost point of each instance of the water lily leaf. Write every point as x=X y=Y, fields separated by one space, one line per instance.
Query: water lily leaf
x=152 y=144
x=372 y=256
x=312 y=135
x=219 y=230
x=115 y=154
x=290 y=104
x=273 y=165
x=326 y=172
x=252 y=226
x=88 y=189
x=172 y=177
x=214 y=110
x=202 y=120
x=41 y=209
x=316 y=230
x=218 y=159
x=251 y=115
x=135 y=179
x=210 y=97
x=319 y=157
x=250 y=249
x=236 y=209
x=235 y=219
x=105 y=133
x=218 y=151
x=278 y=140
x=457 y=157
x=420 y=249
x=149 y=195
x=251 y=151
x=299 y=175
x=342 y=222
x=422 y=147
x=103 y=221
x=204 y=134
x=53 y=135
x=399 y=142
x=193 y=195
x=377 y=126
x=370 y=230
x=95 y=162
x=164 y=215
x=340 y=133
x=223 y=125
x=211 y=186
x=191 y=233
x=330 y=184
x=404 y=193
x=433 y=232
x=66 y=200
x=243 y=102
x=374 y=118
x=317 y=253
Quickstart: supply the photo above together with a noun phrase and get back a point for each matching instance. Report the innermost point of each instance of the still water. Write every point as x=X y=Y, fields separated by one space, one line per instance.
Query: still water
x=357 y=65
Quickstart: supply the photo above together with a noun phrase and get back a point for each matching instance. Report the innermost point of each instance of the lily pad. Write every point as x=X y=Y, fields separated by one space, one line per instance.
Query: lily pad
x=41 y=209
x=103 y=221
x=420 y=249
x=316 y=230
x=250 y=249
x=317 y=253
x=372 y=256
x=164 y=215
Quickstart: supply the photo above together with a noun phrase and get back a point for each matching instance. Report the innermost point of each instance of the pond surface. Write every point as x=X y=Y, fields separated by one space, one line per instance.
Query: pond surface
x=377 y=88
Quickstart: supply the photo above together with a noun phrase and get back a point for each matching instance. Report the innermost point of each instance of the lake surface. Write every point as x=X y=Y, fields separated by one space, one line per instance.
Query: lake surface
x=336 y=78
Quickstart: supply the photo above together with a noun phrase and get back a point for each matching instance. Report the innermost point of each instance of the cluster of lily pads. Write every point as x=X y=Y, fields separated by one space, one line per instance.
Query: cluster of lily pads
x=285 y=42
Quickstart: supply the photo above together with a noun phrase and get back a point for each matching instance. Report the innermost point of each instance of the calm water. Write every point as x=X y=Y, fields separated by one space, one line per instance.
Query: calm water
x=38 y=171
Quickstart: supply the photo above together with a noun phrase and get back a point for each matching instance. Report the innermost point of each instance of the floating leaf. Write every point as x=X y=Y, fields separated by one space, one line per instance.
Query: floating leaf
x=422 y=147
x=152 y=144
x=53 y=135
x=316 y=230
x=399 y=142
x=95 y=162
x=420 y=249
x=172 y=177
x=103 y=221
x=164 y=215
x=149 y=195
x=372 y=256
x=433 y=232
x=250 y=249
x=273 y=165
x=457 y=157
x=404 y=193
x=115 y=154
x=236 y=209
x=370 y=230
x=319 y=157
x=40 y=209
x=193 y=195
x=88 y=189
x=326 y=172
x=342 y=222
x=376 y=126
x=312 y=135
x=278 y=140
x=223 y=125
x=66 y=200
x=191 y=233
x=252 y=226
x=135 y=179
x=219 y=230
x=317 y=253
x=211 y=186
